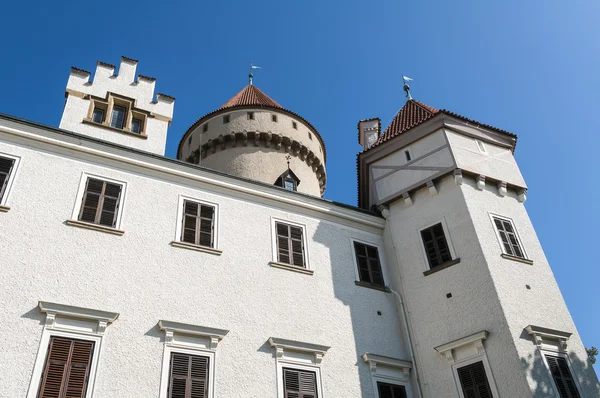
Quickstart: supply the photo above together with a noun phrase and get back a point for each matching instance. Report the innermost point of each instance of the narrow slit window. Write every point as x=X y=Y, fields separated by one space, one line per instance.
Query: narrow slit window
x=407 y=154
x=436 y=245
x=198 y=224
x=561 y=374
x=387 y=390
x=508 y=237
x=67 y=368
x=205 y=128
x=250 y=115
x=98 y=115
x=136 y=126
x=369 y=266
x=100 y=203
x=299 y=383
x=274 y=118
x=309 y=136
x=481 y=146
x=295 y=125
x=117 y=119
x=290 y=244
x=6 y=168
x=473 y=381
x=188 y=376
x=225 y=119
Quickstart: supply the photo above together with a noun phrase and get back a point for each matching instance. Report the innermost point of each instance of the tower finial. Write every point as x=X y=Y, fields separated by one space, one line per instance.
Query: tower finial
x=288 y=157
x=250 y=75
x=407 y=87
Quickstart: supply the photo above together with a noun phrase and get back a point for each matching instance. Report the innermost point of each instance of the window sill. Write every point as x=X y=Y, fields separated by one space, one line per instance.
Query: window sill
x=441 y=267
x=518 y=259
x=123 y=130
x=289 y=267
x=198 y=248
x=4 y=209
x=372 y=286
x=95 y=227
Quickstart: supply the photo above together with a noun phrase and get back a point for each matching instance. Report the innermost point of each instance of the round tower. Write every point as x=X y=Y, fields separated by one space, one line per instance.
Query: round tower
x=252 y=136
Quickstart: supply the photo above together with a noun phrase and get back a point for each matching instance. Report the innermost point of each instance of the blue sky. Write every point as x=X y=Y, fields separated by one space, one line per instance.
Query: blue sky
x=529 y=67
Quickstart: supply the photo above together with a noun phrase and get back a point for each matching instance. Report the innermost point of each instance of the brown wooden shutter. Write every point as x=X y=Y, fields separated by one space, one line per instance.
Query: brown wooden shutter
x=198 y=225
x=283 y=244
x=387 y=390
x=188 y=376
x=299 y=384
x=473 y=381
x=369 y=267
x=297 y=244
x=6 y=166
x=562 y=377
x=67 y=368
x=100 y=203
x=436 y=246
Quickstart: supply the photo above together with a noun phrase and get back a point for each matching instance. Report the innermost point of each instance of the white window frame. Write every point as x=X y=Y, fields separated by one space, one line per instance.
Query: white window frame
x=274 y=253
x=81 y=192
x=11 y=177
x=448 y=242
x=178 y=228
x=488 y=373
x=379 y=251
x=73 y=323
x=546 y=351
x=191 y=340
x=390 y=371
x=300 y=356
x=512 y=223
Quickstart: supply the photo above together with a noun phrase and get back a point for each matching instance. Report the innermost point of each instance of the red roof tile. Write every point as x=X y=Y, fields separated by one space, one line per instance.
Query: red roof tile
x=411 y=114
x=250 y=95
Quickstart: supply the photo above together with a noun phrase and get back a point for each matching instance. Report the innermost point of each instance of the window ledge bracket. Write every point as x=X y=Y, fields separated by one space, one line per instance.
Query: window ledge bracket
x=289 y=267
x=123 y=130
x=95 y=227
x=191 y=246
x=441 y=267
x=4 y=209
x=372 y=286
x=519 y=259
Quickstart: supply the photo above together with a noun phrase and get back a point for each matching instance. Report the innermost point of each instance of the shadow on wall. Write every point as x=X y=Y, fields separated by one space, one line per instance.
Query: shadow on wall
x=373 y=313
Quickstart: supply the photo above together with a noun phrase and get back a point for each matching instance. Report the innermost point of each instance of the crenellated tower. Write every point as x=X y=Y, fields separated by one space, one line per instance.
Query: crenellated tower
x=117 y=107
x=485 y=314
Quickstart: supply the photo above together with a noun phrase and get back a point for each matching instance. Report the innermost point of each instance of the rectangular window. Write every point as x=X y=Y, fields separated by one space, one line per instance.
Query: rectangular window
x=473 y=381
x=98 y=115
x=386 y=390
x=100 y=203
x=508 y=236
x=407 y=154
x=299 y=384
x=117 y=119
x=6 y=168
x=480 y=146
x=198 y=226
x=205 y=128
x=369 y=267
x=290 y=244
x=310 y=135
x=274 y=118
x=250 y=115
x=225 y=119
x=188 y=376
x=136 y=126
x=436 y=246
x=295 y=125
x=562 y=377
x=67 y=369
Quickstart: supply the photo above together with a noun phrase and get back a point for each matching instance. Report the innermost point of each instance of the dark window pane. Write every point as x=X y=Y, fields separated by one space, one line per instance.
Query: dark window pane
x=136 y=126
x=118 y=117
x=98 y=115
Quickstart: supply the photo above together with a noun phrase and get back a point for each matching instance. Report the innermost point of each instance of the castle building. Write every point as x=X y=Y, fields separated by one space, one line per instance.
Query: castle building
x=223 y=273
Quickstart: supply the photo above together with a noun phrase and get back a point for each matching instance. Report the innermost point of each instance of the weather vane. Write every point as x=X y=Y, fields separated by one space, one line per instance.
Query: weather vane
x=406 y=87
x=250 y=76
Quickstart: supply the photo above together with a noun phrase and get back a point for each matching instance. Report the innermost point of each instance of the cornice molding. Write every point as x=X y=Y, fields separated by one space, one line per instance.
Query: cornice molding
x=212 y=334
x=283 y=345
x=375 y=360
x=473 y=339
x=540 y=333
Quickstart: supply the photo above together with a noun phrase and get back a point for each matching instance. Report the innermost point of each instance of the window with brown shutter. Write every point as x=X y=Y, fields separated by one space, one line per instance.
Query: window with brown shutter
x=473 y=381
x=198 y=224
x=387 y=390
x=6 y=166
x=562 y=377
x=67 y=369
x=188 y=376
x=369 y=267
x=436 y=246
x=100 y=204
x=299 y=384
x=290 y=244
x=508 y=236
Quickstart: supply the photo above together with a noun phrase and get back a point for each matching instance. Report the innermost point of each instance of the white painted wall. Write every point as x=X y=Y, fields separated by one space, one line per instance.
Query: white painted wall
x=106 y=80
x=142 y=277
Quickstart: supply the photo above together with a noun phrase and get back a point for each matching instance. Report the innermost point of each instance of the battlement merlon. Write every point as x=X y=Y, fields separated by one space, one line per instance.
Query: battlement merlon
x=107 y=80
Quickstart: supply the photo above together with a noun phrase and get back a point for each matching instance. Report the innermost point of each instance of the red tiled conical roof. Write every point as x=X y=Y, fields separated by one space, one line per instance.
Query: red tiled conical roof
x=250 y=96
x=411 y=114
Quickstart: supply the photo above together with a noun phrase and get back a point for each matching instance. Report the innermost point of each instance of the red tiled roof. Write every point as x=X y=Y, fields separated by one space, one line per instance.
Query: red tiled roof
x=411 y=114
x=250 y=95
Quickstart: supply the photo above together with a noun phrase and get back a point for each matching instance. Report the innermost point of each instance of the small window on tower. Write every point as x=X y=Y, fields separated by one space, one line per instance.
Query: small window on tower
x=480 y=146
x=250 y=115
x=274 y=118
x=117 y=119
x=310 y=135
x=295 y=125
x=225 y=119
x=98 y=115
x=288 y=180
x=407 y=154
x=136 y=126
x=205 y=128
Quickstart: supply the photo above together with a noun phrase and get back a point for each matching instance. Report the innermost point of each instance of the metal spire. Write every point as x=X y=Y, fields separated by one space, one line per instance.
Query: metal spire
x=250 y=75
x=288 y=157
x=407 y=87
